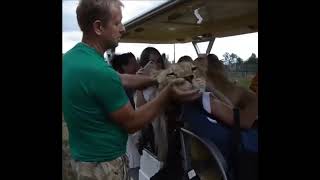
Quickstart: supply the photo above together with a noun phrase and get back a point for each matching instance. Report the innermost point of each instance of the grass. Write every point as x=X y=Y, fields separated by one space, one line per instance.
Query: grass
x=244 y=82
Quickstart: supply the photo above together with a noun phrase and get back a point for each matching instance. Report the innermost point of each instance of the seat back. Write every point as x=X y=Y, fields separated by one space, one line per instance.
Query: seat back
x=201 y=157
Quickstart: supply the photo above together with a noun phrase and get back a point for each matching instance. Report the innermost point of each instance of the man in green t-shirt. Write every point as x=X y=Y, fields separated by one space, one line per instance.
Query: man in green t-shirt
x=96 y=109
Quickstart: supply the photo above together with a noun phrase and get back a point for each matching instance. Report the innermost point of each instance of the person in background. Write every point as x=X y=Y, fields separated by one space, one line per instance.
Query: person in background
x=126 y=64
x=185 y=59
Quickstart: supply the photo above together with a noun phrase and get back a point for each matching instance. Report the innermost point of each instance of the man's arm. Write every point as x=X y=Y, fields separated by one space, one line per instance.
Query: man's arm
x=107 y=89
x=137 y=81
x=133 y=120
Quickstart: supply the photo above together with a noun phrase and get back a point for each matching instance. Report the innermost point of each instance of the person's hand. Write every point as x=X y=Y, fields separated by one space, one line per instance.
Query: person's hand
x=179 y=95
x=199 y=83
x=141 y=71
x=147 y=69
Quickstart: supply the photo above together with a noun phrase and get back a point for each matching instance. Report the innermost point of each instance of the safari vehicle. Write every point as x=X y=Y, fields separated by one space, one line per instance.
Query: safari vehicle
x=196 y=21
x=182 y=21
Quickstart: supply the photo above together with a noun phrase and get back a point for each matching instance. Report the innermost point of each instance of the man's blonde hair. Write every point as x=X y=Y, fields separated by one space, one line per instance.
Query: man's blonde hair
x=89 y=11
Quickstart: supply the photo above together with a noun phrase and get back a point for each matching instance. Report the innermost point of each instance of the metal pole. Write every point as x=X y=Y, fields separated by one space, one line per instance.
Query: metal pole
x=174 y=53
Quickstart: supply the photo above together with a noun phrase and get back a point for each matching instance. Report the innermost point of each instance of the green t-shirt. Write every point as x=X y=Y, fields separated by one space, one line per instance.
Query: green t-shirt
x=91 y=89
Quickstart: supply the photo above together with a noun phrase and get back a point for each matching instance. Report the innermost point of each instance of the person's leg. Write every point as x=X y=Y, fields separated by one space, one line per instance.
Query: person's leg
x=116 y=169
x=84 y=170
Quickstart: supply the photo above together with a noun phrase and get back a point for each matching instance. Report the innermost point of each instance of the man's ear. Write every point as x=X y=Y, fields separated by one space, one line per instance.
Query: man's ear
x=122 y=68
x=97 y=27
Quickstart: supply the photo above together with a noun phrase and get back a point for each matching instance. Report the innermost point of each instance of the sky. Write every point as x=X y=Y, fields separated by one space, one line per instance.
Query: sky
x=242 y=45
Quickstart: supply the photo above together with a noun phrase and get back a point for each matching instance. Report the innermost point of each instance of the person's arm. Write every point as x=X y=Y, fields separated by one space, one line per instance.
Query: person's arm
x=133 y=121
x=249 y=109
x=224 y=112
x=219 y=95
x=106 y=88
x=137 y=81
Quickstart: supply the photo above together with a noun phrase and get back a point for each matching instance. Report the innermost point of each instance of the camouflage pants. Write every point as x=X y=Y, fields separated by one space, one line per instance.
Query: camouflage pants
x=116 y=169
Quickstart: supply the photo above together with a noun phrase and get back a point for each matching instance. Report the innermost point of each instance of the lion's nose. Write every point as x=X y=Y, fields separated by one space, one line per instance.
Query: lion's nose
x=189 y=78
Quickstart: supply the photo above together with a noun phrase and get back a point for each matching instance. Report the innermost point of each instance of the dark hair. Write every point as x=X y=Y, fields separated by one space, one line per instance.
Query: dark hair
x=215 y=65
x=89 y=11
x=214 y=62
x=121 y=60
x=185 y=59
x=145 y=55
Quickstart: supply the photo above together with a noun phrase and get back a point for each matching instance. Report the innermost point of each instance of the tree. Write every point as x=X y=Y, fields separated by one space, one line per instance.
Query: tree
x=232 y=60
x=251 y=64
x=252 y=59
x=226 y=57
x=239 y=62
